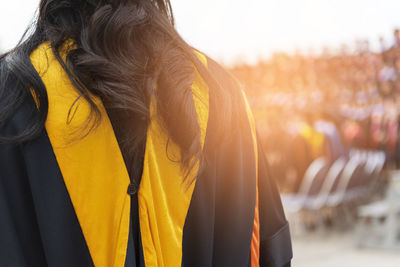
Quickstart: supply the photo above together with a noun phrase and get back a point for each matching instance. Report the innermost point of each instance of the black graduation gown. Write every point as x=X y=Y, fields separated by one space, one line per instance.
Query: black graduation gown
x=39 y=226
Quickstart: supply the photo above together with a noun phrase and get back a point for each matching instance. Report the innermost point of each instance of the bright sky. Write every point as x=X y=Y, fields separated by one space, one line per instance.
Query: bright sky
x=231 y=30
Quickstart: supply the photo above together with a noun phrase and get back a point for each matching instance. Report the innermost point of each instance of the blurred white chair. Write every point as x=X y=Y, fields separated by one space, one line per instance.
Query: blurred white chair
x=312 y=181
x=328 y=187
x=295 y=202
x=342 y=192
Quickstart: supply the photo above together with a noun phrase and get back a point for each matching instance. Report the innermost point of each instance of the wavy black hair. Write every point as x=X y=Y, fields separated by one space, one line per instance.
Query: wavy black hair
x=123 y=50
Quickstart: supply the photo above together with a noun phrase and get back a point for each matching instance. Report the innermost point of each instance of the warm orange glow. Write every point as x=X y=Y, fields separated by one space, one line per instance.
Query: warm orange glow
x=298 y=99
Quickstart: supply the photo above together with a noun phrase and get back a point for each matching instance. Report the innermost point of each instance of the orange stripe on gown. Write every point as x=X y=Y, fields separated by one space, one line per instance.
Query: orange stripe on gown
x=255 y=241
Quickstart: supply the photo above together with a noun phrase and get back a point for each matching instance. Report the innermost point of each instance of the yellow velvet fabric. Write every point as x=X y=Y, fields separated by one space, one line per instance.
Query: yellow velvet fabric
x=92 y=167
x=163 y=197
x=96 y=178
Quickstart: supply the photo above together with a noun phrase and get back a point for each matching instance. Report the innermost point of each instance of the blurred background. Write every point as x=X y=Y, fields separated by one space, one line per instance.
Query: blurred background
x=323 y=80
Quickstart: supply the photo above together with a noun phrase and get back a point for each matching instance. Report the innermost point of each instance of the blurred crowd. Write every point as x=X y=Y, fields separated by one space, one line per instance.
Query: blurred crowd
x=308 y=106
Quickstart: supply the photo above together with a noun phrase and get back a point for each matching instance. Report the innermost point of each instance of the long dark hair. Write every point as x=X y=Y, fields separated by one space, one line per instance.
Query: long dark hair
x=122 y=50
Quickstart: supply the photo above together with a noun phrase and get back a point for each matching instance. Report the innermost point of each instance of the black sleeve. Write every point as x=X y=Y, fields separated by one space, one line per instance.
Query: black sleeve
x=275 y=241
x=20 y=241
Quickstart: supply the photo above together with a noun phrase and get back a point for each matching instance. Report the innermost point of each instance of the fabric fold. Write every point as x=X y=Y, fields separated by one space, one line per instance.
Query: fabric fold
x=275 y=249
